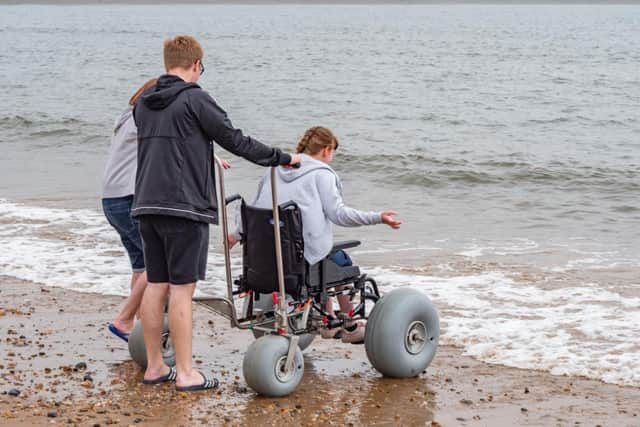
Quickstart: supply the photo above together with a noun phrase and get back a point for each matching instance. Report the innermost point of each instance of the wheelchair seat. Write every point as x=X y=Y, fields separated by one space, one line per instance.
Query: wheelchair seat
x=259 y=271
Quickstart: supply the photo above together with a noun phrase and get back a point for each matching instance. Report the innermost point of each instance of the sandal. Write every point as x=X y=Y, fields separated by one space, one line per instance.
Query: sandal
x=206 y=385
x=117 y=332
x=171 y=376
x=356 y=334
x=329 y=333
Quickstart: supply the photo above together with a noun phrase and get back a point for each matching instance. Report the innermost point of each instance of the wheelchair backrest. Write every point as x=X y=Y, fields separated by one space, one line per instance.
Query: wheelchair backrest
x=259 y=254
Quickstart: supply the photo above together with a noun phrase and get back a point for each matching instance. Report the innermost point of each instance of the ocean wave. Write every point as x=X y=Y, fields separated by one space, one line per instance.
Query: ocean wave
x=422 y=170
x=45 y=132
x=9 y=122
x=53 y=132
x=552 y=121
x=21 y=122
x=626 y=209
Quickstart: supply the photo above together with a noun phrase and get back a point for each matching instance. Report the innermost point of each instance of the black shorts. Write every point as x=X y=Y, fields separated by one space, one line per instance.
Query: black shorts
x=175 y=249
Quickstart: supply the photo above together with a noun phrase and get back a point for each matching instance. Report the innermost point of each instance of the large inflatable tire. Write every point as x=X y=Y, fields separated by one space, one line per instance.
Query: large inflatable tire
x=402 y=333
x=138 y=351
x=265 y=303
x=263 y=366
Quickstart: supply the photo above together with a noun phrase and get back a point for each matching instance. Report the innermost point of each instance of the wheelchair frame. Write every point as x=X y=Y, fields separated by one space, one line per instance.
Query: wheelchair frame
x=311 y=309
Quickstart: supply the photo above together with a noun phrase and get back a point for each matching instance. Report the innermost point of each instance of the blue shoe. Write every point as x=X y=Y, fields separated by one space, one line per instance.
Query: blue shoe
x=119 y=333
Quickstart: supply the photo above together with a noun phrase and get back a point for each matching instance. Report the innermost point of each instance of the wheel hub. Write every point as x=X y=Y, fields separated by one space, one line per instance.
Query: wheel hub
x=416 y=337
x=281 y=371
x=165 y=343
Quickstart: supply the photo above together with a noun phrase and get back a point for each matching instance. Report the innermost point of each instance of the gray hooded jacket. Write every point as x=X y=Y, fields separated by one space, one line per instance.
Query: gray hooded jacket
x=120 y=172
x=317 y=190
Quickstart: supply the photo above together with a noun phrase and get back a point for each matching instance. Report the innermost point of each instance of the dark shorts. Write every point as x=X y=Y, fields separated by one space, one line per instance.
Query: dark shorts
x=118 y=213
x=175 y=249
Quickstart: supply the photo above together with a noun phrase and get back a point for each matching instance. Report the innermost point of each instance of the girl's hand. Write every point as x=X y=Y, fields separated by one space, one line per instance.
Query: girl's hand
x=231 y=239
x=387 y=218
x=225 y=164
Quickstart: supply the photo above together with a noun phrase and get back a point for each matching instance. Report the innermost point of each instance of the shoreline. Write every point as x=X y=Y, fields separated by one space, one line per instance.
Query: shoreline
x=47 y=331
x=323 y=2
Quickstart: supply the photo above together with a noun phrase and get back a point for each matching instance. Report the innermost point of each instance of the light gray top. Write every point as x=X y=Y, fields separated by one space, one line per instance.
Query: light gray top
x=317 y=190
x=120 y=172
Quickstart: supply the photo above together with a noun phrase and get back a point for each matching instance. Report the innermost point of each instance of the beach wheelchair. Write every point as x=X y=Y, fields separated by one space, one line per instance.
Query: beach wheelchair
x=285 y=299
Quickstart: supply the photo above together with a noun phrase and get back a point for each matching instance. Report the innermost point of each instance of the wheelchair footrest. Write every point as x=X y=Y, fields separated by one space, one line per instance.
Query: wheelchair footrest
x=221 y=306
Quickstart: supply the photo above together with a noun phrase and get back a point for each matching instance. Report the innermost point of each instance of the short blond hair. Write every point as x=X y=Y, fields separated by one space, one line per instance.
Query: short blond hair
x=181 y=52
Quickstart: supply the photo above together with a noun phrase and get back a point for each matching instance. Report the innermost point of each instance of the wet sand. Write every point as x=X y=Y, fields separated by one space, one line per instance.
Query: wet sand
x=47 y=335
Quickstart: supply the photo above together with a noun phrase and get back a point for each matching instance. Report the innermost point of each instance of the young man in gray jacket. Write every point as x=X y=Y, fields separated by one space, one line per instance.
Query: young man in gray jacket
x=175 y=200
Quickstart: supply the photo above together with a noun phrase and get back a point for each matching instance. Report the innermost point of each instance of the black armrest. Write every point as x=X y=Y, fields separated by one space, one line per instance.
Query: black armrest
x=232 y=198
x=288 y=205
x=338 y=246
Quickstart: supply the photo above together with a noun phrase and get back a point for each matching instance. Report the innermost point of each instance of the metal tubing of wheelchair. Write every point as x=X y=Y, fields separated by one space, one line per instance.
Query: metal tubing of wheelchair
x=222 y=208
x=281 y=319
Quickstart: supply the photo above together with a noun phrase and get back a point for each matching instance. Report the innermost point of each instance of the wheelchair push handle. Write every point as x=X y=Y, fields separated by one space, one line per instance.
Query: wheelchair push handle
x=282 y=326
x=281 y=318
x=225 y=226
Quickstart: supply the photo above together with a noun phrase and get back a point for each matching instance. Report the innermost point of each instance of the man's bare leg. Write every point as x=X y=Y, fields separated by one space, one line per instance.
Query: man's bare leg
x=152 y=312
x=124 y=321
x=181 y=329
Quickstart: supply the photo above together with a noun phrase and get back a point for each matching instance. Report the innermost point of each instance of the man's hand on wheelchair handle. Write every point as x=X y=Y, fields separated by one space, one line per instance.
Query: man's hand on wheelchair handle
x=387 y=218
x=295 y=162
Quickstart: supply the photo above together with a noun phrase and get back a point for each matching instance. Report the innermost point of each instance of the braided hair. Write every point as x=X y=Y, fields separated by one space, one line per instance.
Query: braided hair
x=315 y=139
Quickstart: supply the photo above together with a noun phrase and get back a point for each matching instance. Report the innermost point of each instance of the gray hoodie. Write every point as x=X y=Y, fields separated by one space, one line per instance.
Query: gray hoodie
x=317 y=190
x=120 y=172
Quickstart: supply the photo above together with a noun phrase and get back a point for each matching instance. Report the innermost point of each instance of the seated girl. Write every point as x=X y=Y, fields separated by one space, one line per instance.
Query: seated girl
x=317 y=190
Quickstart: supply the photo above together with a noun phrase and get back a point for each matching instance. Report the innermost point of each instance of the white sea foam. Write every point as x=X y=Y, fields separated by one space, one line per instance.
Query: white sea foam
x=582 y=330
x=577 y=330
x=81 y=251
x=502 y=248
x=595 y=260
x=386 y=249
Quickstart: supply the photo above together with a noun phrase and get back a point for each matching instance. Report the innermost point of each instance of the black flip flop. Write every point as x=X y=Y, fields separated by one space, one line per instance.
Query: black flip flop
x=208 y=383
x=171 y=376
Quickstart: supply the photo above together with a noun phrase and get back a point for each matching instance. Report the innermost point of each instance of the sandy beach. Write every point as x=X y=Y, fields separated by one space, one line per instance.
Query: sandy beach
x=50 y=334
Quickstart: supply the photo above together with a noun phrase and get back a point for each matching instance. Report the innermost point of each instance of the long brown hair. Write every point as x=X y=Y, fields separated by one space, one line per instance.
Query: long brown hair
x=315 y=139
x=139 y=92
